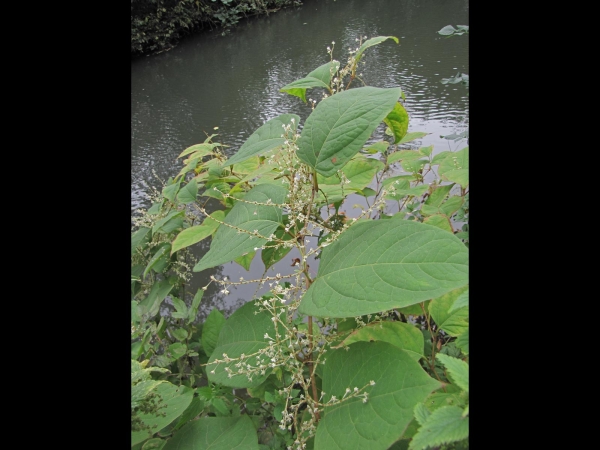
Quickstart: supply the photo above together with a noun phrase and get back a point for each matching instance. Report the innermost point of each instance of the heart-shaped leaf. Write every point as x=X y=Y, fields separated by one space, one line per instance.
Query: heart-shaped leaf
x=402 y=335
x=397 y=120
x=341 y=124
x=455 y=167
x=265 y=138
x=242 y=334
x=211 y=329
x=379 y=265
x=194 y=234
x=400 y=383
x=215 y=433
x=175 y=398
x=320 y=77
x=228 y=243
x=371 y=42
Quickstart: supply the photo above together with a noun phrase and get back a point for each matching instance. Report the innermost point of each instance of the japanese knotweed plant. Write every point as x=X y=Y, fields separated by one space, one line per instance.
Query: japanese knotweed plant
x=369 y=352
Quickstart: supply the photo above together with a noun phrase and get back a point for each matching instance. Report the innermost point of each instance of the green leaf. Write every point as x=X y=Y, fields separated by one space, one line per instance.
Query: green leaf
x=379 y=265
x=397 y=120
x=447 y=30
x=341 y=124
x=359 y=171
x=198 y=150
x=175 y=398
x=216 y=188
x=271 y=255
x=404 y=155
x=180 y=307
x=320 y=77
x=461 y=301
x=228 y=243
x=454 y=323
x=159 y=260
x=215 y=433
x=409 y=137
x=149 y=306
x=195 y=234
x=193 y=311
x=172 y=221
x=443 y=426
x=155 y=208
x=245 y=260
x=437 y=159
x=211 y=329
x=170 y=191
x=139 y=238
x=195 y=407
x=371 y=42
x=462 y=342
x=377 y=147
x=438 y=400
x=456 y=167
x=189 y=192
x=451 y=205
x=140 y=390
x=247 y=166
x=154 y=444
x=242 y=333
x=435 y=199
x=400 y=383
x=180 y=334
x=265 y=138
x=220 y=405
x=457 y=369
x=401 y=335
x=421 y=413
x=440 y=221
x=426 y=151
x=177 y=350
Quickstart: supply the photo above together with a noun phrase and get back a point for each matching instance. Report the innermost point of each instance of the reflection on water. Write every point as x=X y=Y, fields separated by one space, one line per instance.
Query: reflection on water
x=233 y=81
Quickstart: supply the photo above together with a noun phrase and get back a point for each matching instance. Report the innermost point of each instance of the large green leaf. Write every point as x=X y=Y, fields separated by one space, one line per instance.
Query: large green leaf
x=397 y=120
x=440 y=221
x=462 y=342
x=271 y=255
x=452 y=321
x=379 y=265
x=189 y=192
x=400 y=383
x=341 y=124
x=170 y=222
x=442 y=426
x=215 y=433
x=461 y=301
x=458 y=370
x=195 y=234
x=371 y=42
x=159 y=260
x=175 y=398
x=320 y=77
x=228 y=243
x=150 y=305
x=265 y=138
x=402 y=335
x=211 y=329
x=138 y=238
x=360 y=171
x=242 y=333
x=456 y=167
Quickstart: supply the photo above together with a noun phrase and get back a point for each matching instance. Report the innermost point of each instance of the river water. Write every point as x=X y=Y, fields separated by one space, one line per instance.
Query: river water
x=232 y=80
